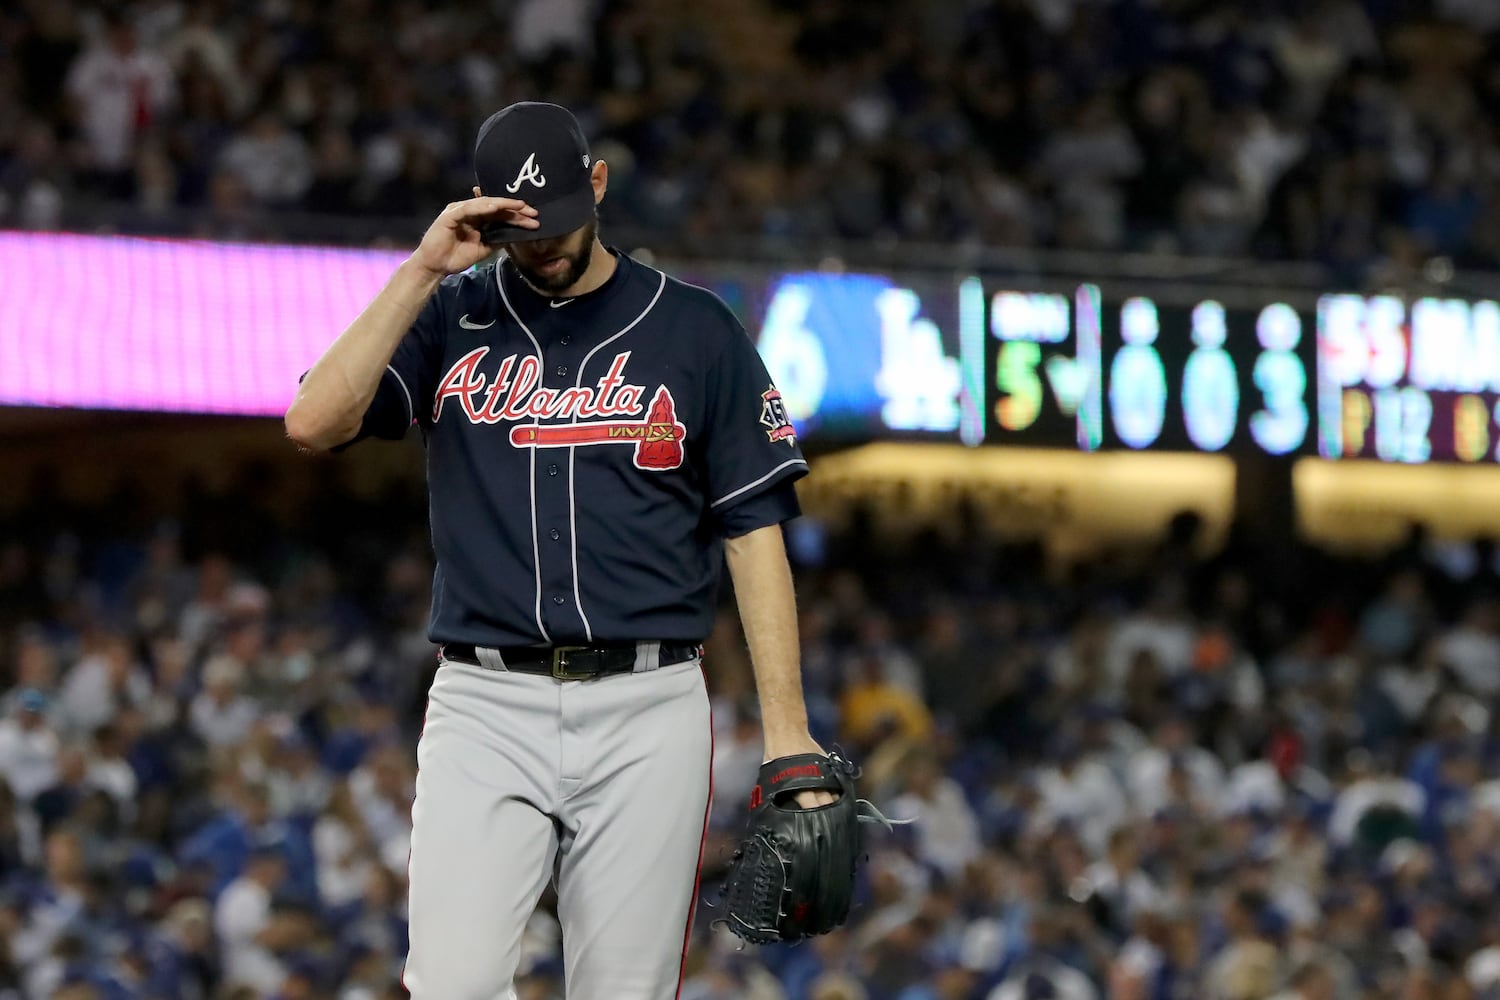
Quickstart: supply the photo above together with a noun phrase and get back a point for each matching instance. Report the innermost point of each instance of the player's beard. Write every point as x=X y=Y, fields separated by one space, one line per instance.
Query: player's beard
x=577 y=252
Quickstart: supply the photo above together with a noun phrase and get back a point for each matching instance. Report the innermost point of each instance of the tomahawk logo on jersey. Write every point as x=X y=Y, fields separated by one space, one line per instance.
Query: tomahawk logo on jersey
x=642 y=403
x=657 y=438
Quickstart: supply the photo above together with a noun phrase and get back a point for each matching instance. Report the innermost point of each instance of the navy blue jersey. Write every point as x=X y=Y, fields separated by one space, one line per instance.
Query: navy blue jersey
x=586 y=457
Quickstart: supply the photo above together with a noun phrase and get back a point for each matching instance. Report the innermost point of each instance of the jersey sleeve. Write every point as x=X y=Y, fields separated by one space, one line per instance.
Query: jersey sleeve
x=750 y=452
x=405 y=392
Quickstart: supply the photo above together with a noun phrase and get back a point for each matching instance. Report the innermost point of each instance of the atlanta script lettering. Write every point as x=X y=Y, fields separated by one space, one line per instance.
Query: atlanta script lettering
x=514 y=394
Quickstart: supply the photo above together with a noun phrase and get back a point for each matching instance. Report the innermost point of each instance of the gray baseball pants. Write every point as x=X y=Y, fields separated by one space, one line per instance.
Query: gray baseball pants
x=601 y=786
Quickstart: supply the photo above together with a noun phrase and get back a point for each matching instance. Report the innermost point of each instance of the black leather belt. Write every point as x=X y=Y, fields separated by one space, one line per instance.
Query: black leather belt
x=572 y=663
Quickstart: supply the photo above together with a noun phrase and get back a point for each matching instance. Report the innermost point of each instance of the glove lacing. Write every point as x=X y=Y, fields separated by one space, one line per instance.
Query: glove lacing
x=765 y=896
x=866 y=810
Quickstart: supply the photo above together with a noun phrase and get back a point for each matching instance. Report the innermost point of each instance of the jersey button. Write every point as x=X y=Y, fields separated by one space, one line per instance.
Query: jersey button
x=562 y=369
x=555 y=534
x=552 y=470
x=557 y=598
x=564 y=340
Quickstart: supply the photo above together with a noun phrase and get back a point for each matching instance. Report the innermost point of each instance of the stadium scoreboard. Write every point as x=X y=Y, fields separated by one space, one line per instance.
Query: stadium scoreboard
x=958 y=357
x=1408 y=383
x=1073 y=369
x=861 y=357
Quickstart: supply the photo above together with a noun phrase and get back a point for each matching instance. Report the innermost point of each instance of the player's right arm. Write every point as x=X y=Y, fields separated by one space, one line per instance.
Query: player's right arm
x=334 y=395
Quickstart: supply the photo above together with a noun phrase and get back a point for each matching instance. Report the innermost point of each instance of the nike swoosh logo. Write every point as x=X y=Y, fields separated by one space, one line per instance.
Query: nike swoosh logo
x=559 y=303
x=463 y=321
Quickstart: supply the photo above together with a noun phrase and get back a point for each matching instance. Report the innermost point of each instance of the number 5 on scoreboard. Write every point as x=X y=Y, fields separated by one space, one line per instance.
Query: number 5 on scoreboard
x=1021 y=388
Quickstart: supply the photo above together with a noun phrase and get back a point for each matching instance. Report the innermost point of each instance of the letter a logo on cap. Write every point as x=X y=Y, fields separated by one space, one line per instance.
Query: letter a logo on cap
x=529 y=172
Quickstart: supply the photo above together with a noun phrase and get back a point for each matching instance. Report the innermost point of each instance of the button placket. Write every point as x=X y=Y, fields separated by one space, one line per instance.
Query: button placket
x=553 y=494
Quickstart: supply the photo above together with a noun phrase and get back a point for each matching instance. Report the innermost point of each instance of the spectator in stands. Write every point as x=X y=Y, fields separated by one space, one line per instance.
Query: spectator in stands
x=29 y=746
x=271 y=160
x=101 y=684
x=30 y=195
x=1247 y=966
x=1342 y=131
x=1079 y=792
x=738 y=754
x=180 y=958
x=60 y=801
x=383 y=788
x=946 y=830
x=335 y=187
x=221 y=715
x=118 y=91
x=244 y=921
x=1301 y=807
x=1120 y=883
x=224 y=843
x=56 y=902
x=1173 y=750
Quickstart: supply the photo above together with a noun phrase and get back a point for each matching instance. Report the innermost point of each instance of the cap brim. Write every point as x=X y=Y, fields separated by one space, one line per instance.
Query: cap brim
x=557 y=218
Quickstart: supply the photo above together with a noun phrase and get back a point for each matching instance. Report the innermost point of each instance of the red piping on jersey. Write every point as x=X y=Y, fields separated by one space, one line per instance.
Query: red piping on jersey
x=687 y=933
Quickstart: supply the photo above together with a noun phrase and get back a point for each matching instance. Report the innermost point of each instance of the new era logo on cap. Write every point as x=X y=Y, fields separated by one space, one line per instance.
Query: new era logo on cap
x=536 y=152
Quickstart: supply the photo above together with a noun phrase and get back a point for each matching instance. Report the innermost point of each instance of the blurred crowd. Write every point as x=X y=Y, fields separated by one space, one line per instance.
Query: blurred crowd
x=1356 y=132
x=1256 y=774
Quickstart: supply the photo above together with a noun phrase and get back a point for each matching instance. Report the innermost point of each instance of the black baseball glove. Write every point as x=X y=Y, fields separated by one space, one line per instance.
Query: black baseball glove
x=792 y=876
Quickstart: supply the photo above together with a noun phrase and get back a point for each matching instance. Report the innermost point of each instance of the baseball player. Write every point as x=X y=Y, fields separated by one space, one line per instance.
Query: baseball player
x=599 y=436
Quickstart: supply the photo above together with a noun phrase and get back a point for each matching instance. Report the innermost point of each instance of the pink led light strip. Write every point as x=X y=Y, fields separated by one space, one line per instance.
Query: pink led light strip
x=171 y=325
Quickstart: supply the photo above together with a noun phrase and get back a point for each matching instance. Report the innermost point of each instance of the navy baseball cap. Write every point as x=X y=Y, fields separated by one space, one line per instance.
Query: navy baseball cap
x=535 y=152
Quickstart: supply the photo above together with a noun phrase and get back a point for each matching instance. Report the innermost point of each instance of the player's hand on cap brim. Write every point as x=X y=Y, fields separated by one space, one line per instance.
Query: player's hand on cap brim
x=483 y=208
x=455 y=241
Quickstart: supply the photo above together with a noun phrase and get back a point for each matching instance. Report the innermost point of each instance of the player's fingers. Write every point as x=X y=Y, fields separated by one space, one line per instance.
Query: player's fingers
x=485 y=207
x=463 y=216
x=510 y=218
x=476 y=191
x=813 y=799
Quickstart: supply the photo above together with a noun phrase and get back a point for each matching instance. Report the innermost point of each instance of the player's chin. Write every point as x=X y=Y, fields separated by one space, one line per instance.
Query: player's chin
x=551 y=274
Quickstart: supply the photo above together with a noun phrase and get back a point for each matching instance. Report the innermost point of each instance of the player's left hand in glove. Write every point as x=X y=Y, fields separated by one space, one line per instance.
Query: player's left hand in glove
x=792 y=876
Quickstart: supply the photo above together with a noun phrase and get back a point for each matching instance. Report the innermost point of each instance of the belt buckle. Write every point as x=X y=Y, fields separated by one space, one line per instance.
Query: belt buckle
x=560 y=664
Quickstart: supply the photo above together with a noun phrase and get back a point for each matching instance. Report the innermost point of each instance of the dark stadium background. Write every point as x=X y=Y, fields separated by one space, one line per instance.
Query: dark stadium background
x=1178 y=723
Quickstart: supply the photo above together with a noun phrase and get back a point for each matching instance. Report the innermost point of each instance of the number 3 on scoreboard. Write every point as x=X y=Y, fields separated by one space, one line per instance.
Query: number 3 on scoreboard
x=1280 y=376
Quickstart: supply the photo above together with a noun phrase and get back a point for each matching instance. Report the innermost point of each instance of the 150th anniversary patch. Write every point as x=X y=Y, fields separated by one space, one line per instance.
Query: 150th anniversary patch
x=774 y=418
